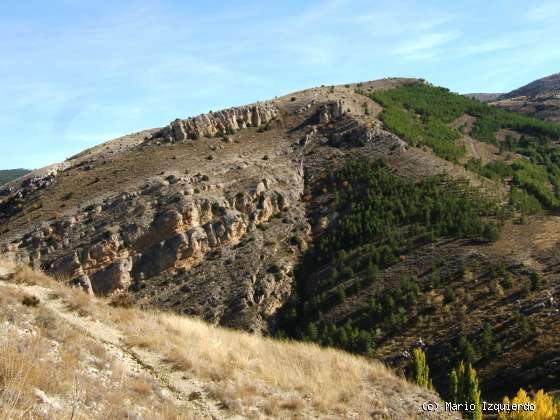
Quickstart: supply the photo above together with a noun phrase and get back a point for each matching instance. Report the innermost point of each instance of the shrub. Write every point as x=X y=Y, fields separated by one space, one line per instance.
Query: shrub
x=491 y=232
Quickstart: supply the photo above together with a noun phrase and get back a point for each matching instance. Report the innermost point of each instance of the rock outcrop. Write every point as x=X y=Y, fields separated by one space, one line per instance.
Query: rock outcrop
x=348 y=132
x=167 y=231
x=212 y=124
x=329 y=111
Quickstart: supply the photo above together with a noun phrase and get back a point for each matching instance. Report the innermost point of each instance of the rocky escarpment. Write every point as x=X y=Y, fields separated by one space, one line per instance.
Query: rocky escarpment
x=168 y=231
x=224 y=122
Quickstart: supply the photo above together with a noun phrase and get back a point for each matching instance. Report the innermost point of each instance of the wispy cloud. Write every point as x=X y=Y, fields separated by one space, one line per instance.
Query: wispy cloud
x=425 y=45
x=549 y=11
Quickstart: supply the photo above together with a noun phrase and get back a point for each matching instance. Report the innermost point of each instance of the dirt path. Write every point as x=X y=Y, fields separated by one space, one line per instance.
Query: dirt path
x=179 y=386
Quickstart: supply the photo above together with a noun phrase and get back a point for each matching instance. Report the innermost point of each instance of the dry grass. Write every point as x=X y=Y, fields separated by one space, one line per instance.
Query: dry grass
x=234 y=361
x=79 y=301
x=25 y=275
x=48 y=370
x=247 y=375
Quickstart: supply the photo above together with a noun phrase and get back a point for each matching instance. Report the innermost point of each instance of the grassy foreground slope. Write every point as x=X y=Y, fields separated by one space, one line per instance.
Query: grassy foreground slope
x=66 y=354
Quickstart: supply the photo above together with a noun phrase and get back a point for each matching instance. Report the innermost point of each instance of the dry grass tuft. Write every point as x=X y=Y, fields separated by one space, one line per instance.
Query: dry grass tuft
x=30 y=300
x=122 y=300
x=78 y=301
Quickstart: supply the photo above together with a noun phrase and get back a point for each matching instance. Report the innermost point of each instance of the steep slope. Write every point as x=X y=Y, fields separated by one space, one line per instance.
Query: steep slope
x=7 y=175
x=399 y=263
x=66 y=354
x=269 y=218
x=199 y=216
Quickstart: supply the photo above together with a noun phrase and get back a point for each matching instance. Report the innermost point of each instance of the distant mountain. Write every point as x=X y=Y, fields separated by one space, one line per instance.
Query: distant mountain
x=544 y=86
x=539 y=99
x=8 y=175
x=484 y=97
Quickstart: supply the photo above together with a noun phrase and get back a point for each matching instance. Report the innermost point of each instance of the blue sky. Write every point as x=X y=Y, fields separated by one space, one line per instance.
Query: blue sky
x=75 y=73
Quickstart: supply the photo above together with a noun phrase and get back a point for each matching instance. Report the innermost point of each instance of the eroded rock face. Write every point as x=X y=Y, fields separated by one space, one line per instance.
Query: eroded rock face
x=171 y=234
x=223 y=122
x=348 y=132
x=116 y=276
x=330 y=111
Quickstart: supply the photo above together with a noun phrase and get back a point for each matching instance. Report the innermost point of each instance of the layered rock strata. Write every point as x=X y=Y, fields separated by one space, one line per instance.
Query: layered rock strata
x=212 y=124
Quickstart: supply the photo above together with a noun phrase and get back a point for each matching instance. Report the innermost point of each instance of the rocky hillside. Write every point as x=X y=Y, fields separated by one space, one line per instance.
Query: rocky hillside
x=377 y=217
x=66 y=354
x=217 y=197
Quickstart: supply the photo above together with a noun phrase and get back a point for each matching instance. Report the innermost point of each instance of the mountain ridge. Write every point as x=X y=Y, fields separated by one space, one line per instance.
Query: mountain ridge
x=213 y=216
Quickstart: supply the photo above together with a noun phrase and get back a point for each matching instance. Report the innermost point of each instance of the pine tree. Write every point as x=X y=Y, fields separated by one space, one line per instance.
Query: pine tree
x=536 y=281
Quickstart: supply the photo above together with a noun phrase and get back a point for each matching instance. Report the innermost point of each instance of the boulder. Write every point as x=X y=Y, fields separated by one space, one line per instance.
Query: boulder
x=114 y=277
x=83 y=282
